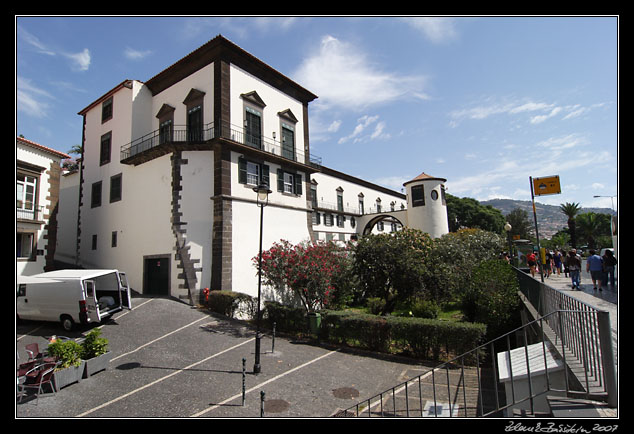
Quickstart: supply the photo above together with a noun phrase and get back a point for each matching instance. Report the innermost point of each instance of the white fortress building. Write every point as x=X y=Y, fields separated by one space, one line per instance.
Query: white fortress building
x=165 y=187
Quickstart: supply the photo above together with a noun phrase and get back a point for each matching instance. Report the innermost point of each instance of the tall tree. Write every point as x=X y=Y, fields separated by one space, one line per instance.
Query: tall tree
x=571 y=210
x=520 y=223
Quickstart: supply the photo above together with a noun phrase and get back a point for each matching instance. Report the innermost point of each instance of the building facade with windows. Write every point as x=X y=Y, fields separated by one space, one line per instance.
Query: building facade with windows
x=37 y=195
x=165 y=188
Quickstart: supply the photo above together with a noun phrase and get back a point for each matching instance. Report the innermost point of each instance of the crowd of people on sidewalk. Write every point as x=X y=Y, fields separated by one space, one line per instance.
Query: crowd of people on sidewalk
x=600 y=268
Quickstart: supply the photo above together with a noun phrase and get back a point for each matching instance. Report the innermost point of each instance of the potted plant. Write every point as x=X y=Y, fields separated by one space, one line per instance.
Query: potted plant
x=71 y=366
x=95 y=353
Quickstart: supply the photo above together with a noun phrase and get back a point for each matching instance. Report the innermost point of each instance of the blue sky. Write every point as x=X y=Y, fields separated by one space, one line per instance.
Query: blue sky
x=484 y=102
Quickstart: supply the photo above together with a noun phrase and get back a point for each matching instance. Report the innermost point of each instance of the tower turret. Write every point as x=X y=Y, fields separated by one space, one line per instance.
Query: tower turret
x=426 y=205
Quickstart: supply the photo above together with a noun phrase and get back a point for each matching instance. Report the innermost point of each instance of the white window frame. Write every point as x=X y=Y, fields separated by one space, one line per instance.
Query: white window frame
x=289 y=183
x=253 y=173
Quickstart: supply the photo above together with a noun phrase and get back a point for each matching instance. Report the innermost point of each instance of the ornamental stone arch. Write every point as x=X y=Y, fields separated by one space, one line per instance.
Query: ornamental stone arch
x=367 y=222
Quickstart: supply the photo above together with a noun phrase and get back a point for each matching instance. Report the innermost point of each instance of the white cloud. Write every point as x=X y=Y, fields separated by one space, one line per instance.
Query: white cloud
x=541 y=118
x=436 y=29
x=393 y=182
x=30 y=98
x=334 y=126
x=132 y=54
x=363 y=124
x=80 y=61
x=343 y=76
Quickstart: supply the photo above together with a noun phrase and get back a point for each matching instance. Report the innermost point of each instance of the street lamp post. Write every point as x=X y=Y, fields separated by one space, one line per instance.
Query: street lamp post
x=262 y=191
x=611 y=199
x=507 y=228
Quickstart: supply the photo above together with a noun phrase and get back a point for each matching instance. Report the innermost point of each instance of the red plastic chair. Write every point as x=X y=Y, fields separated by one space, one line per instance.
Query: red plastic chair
x=43 y=376
x=33 y=350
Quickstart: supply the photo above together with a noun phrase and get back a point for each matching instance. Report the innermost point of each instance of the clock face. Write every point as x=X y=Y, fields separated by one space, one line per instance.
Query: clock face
x=434 y=194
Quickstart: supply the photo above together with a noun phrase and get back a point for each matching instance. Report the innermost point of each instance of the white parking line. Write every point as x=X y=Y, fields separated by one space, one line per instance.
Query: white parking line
x=105 y=404
x=259 y=386
x=159 y=338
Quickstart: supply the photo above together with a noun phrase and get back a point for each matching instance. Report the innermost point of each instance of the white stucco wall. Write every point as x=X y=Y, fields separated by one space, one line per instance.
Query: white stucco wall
x=431 y=217
x=196 y=207
x=242 y=82
x=327 y=186
x=66 y=250
x=279 y=223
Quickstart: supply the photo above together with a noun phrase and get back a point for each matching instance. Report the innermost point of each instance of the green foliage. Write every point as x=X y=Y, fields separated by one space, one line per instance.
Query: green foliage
x=593 y=230
x=453 y=259
x=94 y=345
x=421 y=308
x=232 y=304
x=467 y=212
x=491 y=296
x=309 y=270
x=286 y=318
x=520 y=223
x=69 y=353
x=421 y=337
x=392 y=267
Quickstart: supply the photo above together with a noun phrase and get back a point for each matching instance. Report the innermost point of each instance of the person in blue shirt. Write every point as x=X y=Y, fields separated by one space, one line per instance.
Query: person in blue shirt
x=594 y=265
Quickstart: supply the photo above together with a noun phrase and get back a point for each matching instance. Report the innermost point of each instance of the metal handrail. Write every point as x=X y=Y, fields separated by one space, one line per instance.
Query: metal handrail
x=485 y=397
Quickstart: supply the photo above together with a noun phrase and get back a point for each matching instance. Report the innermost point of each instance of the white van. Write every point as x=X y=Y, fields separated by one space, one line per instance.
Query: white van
x=72 y=296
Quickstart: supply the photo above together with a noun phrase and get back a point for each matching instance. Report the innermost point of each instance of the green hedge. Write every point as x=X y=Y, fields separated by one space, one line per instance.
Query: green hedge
x=232 y=304
x=287 y=319
x=423 y=338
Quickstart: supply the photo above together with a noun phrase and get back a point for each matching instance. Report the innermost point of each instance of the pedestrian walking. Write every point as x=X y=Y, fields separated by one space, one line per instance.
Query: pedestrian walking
x=594 y=265
x=609 y=262
x=548 y=266
x=557 y=261
x=532 y=262
x=573 y=264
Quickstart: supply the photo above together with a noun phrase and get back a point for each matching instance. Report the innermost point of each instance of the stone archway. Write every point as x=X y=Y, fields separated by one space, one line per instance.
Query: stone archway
x=369 y=225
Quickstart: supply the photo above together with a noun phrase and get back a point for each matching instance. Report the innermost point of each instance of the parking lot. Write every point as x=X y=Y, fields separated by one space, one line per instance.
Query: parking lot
x=171 y=360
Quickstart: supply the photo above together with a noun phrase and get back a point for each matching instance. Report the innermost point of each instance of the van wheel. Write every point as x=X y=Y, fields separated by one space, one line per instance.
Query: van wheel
x=67 y=323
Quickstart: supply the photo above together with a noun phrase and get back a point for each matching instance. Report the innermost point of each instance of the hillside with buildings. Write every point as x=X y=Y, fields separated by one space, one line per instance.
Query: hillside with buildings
x=549 y=217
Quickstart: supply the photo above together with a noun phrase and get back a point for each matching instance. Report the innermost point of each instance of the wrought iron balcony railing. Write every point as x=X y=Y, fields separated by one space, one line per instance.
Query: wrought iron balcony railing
x=27 y=211
x=181 y=134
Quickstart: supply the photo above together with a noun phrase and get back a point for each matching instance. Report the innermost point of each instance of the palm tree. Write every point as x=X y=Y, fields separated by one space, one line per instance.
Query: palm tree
x=571 y=210
x=589 y=228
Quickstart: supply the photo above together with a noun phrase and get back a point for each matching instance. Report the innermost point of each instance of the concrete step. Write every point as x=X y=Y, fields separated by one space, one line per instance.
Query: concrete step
x=578 y=408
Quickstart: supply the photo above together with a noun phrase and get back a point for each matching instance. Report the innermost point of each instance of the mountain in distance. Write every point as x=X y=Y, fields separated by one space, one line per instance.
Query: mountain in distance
x=549 y=217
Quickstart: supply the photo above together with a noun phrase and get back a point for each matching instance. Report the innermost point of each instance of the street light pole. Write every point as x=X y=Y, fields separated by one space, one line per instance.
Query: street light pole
x=262 y=191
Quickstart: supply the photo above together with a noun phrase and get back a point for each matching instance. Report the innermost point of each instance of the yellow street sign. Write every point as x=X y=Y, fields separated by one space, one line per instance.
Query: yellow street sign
x=546 y=185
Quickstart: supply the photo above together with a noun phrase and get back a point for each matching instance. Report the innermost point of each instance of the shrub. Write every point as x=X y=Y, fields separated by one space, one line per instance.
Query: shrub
x=232 y=304
x=422 y=337
x=287 y=319
x=375 y=305
x=422 y=308
x=453 y=259
x=94 y=345
x=491 y=296
x=309 y=270
x=67 y=352
x=392 y=266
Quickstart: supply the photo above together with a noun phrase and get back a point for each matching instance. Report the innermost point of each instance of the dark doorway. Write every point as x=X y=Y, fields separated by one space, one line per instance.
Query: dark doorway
x=156 y=275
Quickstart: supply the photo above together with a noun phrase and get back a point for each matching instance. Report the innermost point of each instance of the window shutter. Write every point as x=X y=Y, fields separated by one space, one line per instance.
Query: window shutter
x=242 y=170
x=298 y=184
x=265 y=175
x=280 y=180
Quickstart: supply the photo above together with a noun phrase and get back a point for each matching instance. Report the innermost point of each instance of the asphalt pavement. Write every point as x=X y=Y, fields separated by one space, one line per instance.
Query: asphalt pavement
x=174 y=361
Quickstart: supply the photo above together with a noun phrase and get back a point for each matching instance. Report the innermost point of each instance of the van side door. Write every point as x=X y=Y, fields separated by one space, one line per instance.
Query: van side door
x=92 y=309
x=124 y=291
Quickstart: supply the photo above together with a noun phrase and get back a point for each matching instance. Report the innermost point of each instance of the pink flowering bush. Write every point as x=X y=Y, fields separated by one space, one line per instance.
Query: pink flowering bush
x=309 y=270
